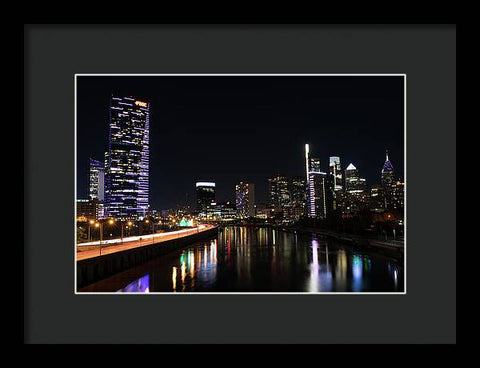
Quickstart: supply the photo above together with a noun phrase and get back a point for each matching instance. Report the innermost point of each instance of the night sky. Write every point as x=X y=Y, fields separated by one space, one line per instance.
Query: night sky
x=228 y=129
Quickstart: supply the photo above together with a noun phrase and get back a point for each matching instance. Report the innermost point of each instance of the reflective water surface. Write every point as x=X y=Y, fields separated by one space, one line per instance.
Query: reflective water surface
x=245 y=259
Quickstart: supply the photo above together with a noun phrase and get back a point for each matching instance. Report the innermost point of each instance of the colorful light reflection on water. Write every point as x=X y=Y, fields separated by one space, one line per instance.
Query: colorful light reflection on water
x=245 y=259
x=141 y=285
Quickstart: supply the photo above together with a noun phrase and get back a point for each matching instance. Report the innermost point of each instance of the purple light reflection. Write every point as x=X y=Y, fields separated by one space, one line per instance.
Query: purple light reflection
x=141 y=285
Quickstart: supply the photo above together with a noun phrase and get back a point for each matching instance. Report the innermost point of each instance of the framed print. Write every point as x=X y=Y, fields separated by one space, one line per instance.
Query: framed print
x=318 y=227
x=259 y=183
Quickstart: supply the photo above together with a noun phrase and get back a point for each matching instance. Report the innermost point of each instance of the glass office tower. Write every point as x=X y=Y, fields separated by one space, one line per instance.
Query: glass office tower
x=336 y=173
x=278 y=192
x=388 y=182
x=356 y=197
x=298 y=197
x=245 y=199
x=335 y=182
x=353 y=182
x=205 y=192
x=127 y=159
x=96 y=179
x=317 y=190
x=387 y=175
x=316 y=187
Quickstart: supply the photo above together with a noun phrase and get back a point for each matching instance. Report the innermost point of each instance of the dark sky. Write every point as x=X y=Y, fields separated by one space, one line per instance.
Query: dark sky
x=229 y=128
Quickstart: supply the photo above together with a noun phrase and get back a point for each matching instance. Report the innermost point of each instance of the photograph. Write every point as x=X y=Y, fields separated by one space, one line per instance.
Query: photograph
x=240 y=184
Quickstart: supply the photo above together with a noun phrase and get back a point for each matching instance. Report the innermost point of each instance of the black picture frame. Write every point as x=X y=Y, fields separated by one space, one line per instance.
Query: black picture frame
x=48 y=311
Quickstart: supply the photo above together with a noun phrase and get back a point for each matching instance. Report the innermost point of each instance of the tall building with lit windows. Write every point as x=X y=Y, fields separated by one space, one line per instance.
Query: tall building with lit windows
x=96 y=179
x=316 y=187
x=335 y=181
x=245 y=199
x=278 y=193
x=356 y=198
x=205 y=195
x=335 y=170
x=353 y=182
x=387 y=176
x=127 y=159
x=298 y=197
x=389 y=183
x=398 y=195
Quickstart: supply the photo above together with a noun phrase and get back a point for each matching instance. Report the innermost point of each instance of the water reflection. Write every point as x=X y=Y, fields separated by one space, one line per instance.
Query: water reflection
x=246 y=259
x=141 y=285
x=314 y=268
x=320 y=272
x=174 y=278
x=195 y=263
x=357 y=273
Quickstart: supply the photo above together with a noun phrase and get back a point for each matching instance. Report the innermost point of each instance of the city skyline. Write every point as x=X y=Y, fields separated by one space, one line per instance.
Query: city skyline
x=328 y=199
x=263 y=161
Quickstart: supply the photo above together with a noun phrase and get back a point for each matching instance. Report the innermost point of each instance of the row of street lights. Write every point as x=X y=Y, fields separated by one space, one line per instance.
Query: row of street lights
x=99 y=225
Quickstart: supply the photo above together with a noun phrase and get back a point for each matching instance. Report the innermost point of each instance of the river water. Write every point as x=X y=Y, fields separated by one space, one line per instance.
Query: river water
x=243 y=259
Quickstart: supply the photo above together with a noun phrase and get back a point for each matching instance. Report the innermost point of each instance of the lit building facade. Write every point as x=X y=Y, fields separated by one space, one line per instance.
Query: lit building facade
x=356 y=198
x=335 y=182
x=387 y=175
x=335 y=171
x=87 y=209
x=353 y=182
x=316 y=187
x=262 y=211
x=278 y=193
x=398 y=195
x=317 y=182
x=127 y=159
x=220 y=211
x=245 y=199
x=377 y=198
x=394 y=190
x=96 y=180
x=298 y=197
x=205 y=195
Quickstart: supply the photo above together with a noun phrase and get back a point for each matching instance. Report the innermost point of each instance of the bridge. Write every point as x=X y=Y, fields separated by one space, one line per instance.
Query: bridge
x=97 y=248
x=98 y=261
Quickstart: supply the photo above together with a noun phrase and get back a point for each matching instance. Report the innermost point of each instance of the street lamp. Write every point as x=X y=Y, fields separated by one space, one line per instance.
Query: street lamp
x=153 y=230
x=91 y=222
x=129 y=227
x=100 y=226
x=121 y=228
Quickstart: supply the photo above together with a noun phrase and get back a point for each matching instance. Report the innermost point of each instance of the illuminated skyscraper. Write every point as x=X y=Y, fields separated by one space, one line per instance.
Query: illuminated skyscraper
x=298 y=197
x=336 y=173
x=377 y=198
x=96 y=179
x=355 y=198
x=387 y=172
x=278 y=193
x=335 y=182
x=205 y=193
x=389 y=184
x=353 y=182
x=245 y=199
x=316 y=187
x=398 y=195
x=127 y=159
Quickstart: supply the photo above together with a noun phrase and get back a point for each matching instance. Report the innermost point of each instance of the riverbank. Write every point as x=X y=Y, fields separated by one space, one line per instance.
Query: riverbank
x=393 y=249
